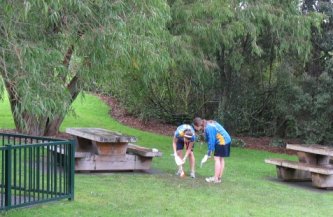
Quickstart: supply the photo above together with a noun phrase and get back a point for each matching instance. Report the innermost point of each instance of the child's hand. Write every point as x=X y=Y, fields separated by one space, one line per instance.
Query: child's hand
x=204 y=159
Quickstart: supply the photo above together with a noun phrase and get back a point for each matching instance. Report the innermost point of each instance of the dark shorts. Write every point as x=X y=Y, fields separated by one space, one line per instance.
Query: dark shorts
x=180 y=145
x=222 y=150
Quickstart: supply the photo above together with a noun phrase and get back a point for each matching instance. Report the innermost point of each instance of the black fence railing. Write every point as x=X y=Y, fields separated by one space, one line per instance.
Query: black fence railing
x=35 y=170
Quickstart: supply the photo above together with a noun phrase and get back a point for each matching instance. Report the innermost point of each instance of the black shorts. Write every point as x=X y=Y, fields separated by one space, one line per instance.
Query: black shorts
x=180 y=145
x=222 y=150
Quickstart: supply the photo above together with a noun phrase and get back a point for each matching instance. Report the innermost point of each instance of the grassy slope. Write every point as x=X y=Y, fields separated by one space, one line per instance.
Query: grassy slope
x=249 y=187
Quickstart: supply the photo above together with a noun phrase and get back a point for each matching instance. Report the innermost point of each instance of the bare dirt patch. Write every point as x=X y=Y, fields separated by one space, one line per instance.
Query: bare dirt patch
x=122 y=116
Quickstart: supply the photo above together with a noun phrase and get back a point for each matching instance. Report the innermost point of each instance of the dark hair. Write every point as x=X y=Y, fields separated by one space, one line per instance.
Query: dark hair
x=197 y=121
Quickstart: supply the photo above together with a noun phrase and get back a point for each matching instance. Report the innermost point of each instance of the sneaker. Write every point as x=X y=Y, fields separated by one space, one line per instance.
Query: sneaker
x=210 y=179
x=192 y=174
x=179 y=172
x=213 y=180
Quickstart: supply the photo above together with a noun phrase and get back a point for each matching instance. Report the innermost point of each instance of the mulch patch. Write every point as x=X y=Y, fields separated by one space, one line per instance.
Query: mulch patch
x=122 y=116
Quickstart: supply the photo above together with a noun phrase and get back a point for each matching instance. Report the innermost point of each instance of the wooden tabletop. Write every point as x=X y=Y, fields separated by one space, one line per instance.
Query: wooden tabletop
x=314 y=149
x=100 y=135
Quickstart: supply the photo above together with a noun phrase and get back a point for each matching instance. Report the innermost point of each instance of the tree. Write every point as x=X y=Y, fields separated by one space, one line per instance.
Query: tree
x=52 y=50
x=248 y=41
x=227 y=56
x=311 y=114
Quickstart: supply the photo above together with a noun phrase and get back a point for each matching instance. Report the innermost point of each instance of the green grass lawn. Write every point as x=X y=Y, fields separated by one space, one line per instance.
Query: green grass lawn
x=249 y=186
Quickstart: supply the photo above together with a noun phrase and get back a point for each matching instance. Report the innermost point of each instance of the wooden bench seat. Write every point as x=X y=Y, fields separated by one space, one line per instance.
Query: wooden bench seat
x=142 y=151
x=321 y=175
x=60 y=151
x=131 y=149
x=325 y=169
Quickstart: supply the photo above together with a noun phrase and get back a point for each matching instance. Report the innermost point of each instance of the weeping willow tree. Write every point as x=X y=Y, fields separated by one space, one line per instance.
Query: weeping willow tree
x=248 y=42
x=226 y=58
x=52 y=50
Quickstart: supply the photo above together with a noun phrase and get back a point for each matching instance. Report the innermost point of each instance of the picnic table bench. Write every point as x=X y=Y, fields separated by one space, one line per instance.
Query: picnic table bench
x=314 y=164
x=103 y=150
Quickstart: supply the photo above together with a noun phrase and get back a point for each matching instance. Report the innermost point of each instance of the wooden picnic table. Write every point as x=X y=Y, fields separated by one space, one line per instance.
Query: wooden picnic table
x=312 y=154
x=99 y=149
x=314 y=163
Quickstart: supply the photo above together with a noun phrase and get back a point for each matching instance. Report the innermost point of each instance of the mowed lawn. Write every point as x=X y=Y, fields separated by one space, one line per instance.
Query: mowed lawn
x=249 y=186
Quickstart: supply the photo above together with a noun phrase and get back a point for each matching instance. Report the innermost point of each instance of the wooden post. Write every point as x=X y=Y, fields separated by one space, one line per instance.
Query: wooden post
x=308 y=158
x=322 y=181
x=84 y=145
x=323 y=160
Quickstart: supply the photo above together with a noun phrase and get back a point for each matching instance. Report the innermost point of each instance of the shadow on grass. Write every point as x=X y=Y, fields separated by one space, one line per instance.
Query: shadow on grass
x=130 y=172
x=307 y=185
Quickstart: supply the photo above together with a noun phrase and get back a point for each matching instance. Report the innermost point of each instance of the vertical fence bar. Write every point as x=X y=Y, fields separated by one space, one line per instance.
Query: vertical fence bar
x=3 y=165
x=71 y=168
x=14 y=174
x=66 y=164
x=60 y=168
x=38 y=171
x=51 y=170
x=33 y=150
x=20 y=173
x=55 y=169
x=43 y=172
x=48 y=172
x=8 y=176
x=25 y=173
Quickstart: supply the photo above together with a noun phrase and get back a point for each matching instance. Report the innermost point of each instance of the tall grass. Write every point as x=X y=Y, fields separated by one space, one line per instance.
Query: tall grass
x=249 y=186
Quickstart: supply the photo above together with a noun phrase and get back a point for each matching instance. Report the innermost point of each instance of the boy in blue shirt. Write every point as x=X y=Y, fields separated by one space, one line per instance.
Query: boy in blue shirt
x=218 y=141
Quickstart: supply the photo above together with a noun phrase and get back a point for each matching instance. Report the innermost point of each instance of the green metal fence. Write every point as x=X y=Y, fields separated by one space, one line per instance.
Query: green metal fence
x=35 y=170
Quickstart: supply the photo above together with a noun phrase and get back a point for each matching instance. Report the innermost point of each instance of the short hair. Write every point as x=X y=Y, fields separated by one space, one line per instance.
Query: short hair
x=197 y=121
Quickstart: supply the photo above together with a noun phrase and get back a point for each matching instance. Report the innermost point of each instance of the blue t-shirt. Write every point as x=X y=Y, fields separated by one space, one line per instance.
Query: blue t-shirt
x=180 y=131
x=215 y=134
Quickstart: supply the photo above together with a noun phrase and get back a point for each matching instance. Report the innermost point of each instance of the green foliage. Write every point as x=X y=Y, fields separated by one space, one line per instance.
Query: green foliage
x=304 y=97
x=277 y=142
x=236 y=62
x=260 y=67
x=238 y=143
x=310 y=108
x=52 y=50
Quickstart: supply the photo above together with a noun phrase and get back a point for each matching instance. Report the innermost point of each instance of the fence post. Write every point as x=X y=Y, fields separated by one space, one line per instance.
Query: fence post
x=8 y=176
x=72 y=169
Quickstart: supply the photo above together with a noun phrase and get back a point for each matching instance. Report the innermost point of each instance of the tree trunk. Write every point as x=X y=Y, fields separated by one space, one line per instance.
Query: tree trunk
x=24 y=122
x=33 y=125
x=52 y=126
x=224 y=78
